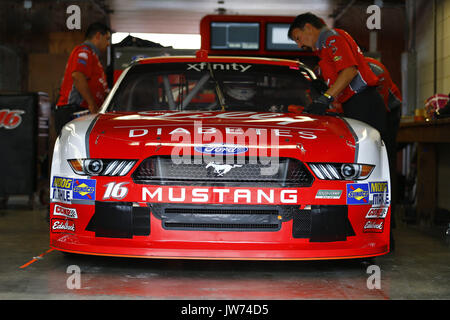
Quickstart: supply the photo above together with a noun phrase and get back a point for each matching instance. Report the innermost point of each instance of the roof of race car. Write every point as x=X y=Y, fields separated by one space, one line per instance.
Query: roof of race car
x=205 y=58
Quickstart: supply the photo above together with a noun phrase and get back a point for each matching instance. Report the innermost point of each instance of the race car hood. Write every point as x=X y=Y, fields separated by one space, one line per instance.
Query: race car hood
x=138 y=135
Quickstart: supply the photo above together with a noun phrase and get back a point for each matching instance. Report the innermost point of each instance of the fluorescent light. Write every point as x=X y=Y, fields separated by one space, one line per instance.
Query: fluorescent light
x=177 y=41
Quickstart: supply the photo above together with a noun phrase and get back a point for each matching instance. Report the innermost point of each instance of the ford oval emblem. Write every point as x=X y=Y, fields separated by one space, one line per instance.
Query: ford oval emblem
x=221 y=149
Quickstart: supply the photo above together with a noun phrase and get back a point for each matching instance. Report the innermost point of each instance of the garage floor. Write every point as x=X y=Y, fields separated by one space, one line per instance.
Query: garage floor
x=418 y=269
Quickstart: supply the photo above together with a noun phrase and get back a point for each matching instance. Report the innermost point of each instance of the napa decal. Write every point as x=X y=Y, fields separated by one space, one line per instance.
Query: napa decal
x=62 y=189
x=84 y=189
x=221 y=149
x=358 y=193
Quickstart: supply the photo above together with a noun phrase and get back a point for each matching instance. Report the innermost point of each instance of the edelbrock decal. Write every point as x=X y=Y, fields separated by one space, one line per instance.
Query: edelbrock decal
x=374 y=225
x=59 y=225
x=221 y=149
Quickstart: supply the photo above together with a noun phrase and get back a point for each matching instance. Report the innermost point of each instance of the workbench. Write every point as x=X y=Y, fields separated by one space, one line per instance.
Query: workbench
x=427 y=134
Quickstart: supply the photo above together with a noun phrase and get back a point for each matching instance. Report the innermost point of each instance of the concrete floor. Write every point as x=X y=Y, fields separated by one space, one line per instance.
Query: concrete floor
x=418 y=269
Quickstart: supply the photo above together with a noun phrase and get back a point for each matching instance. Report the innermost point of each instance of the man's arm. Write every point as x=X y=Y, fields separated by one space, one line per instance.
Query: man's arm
x=343 y=80
x=81 y=84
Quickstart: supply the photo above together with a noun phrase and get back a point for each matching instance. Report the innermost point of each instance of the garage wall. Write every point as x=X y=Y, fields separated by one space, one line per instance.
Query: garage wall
x=433 y=73
x=35 y=42
x=433 y=64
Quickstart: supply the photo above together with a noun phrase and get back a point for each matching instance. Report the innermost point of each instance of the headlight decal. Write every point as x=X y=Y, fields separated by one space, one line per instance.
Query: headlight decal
x=101 y=167
x=341 y=171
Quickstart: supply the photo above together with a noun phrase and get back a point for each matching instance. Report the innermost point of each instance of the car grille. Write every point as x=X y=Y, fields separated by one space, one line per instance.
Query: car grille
x=219 y=217
x=244 y=171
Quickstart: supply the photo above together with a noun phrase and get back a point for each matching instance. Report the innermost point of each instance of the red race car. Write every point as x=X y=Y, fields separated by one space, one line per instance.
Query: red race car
x=214 y=158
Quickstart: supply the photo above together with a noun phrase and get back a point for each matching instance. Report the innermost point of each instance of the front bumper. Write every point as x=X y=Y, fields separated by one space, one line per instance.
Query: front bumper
x=278 y=232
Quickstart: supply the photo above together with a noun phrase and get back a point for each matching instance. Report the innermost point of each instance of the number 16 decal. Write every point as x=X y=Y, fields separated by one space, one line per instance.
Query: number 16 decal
x=115 y=190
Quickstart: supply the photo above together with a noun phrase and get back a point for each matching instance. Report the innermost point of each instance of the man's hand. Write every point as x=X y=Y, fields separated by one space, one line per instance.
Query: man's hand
x=320 y=105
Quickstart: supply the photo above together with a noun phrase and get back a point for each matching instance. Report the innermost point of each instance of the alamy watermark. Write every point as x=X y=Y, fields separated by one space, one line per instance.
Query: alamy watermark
x=74 y=280
x=73 y=21
x=374 y=280
x=373 y=22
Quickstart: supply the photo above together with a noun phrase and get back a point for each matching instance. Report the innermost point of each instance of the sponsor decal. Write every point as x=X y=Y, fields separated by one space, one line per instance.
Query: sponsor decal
x=380 y=200
x=83 y=55
x=377 y=213
x=219 y=66
x=84 y=189
x=378 y=187
x=220 y=195
x=221 y=149
x=328 y=194
x=59 y=225
x=62 y=189
x=374 y=225
x=65 y=212
x=10 y=119
x=380 y=193
x=358 y=193
x=235 y=131
x=82 y=61
x=278 y=118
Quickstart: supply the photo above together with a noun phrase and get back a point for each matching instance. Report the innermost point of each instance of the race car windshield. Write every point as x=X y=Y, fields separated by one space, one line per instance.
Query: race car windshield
x=212 y=87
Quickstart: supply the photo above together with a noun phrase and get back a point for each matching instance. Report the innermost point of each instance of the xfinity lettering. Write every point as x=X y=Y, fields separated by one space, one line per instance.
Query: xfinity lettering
x=219 y=66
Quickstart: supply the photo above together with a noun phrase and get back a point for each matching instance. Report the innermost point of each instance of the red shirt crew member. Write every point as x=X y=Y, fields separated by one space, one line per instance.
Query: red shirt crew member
x=84 y=85
x=390 y=93
x=350 y=80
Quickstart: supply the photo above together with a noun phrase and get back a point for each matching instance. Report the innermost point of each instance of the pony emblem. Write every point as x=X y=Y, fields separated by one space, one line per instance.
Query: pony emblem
x=221 y=169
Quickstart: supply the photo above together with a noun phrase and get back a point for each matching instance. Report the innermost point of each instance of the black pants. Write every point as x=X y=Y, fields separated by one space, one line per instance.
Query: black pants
x=64 y=114
x=368 y=106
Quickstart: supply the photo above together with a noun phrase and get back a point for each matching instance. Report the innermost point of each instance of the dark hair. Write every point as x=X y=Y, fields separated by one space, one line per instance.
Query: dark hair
x=302 y=19
x=96 y=27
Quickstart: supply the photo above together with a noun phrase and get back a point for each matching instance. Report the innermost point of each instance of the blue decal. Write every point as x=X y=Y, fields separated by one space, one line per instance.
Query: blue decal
x=358 y=193
x=221 y=149
x=62 y=189
x=62 y=183
x=84 y=189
